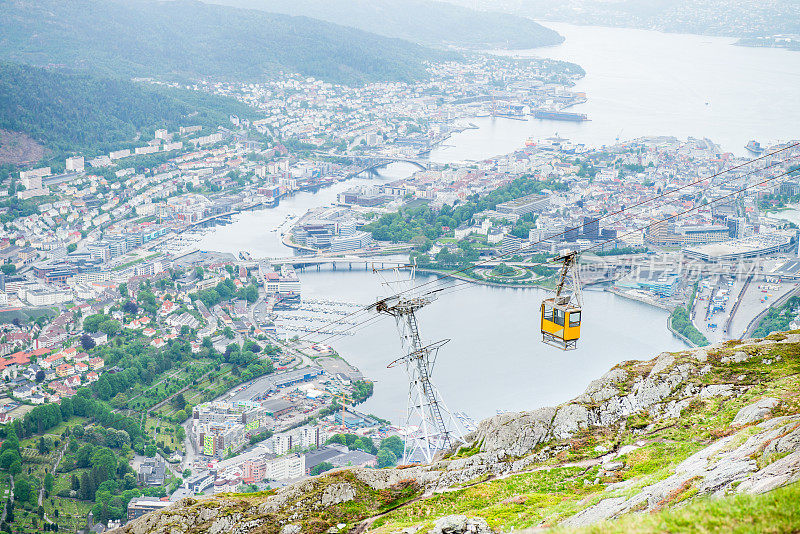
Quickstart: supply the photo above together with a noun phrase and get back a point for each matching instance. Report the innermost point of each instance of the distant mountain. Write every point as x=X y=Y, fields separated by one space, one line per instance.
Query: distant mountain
x=66 y=112
x=422 y=21
x=740 y=18
x=189 y=39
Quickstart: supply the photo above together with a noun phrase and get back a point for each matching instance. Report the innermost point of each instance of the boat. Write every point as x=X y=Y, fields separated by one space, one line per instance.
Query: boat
x=559 y=115
x=754 y=147
x=530 y=142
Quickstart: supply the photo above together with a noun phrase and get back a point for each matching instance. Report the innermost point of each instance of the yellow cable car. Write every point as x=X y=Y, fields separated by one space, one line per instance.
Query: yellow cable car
x=561 y=315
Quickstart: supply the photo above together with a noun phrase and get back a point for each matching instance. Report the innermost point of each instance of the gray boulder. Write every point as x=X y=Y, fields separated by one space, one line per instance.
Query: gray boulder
x=569 y=419
x=736 y=357
x=515 y=434
x=755 y=412
x=337 y=493
x=461 y=524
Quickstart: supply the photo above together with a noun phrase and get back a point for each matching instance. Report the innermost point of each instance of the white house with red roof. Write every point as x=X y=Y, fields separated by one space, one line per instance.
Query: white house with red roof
x=51 y=361
x=73 y=381
x=167 y=307
x=65 y=369
x=62 y=389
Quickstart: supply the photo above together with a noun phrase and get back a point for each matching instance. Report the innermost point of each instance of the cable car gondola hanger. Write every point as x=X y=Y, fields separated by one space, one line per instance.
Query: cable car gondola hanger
x=561 y=315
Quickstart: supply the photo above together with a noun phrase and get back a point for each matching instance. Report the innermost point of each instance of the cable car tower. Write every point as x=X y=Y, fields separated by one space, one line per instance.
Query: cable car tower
x=430 y=425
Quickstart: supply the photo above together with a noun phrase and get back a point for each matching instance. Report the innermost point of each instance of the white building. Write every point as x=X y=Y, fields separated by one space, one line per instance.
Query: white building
x=355 y=241
x=32 y=179
x=286 y=467
x=75 y=164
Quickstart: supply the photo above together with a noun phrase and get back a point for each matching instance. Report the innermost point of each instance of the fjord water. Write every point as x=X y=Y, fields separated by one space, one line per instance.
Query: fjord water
x=495 y=359
x=641 y=83
x=638 y=83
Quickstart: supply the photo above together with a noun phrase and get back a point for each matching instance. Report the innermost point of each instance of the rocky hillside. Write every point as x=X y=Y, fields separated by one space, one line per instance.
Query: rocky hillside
x=701 y=437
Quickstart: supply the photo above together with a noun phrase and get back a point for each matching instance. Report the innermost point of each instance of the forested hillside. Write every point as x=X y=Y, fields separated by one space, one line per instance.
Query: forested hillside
x=421 y=21
x=83 y=113
x=190 y=39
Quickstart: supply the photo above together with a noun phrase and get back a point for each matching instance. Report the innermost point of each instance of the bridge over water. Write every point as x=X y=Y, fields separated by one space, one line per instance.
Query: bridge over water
x=370 y=163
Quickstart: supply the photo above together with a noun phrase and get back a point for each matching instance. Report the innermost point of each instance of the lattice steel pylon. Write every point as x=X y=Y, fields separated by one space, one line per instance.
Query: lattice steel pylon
x=430 y=426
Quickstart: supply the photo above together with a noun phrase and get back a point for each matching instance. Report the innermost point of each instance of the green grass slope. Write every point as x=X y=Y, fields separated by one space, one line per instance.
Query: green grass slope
x=190 y=39
x=664 y=464
x=773 y=512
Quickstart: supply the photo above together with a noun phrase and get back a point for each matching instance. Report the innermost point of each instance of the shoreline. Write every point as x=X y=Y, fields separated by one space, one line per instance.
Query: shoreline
x=643 y=300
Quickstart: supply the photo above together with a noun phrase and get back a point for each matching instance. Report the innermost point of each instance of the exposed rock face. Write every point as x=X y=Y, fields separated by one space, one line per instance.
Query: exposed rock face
x=336 y=493
x=461 y=524
x=718 y=469
x=736 y=357
x=635 y=397
x=515 y=434
x=755 y=412
x=568 y=420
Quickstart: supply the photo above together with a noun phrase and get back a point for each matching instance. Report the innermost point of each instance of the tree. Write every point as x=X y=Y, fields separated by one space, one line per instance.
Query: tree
x=8 y=269
x=67 y=411
x=92 y=323
x=150 y=450
x=87 y=342
x=88 y=487
x=123 y=289
x=321 y=468
x=394 y=444
x=178 y=402
x=8 y=458
x=386 y=458
x=39 y=376
x=11 y=442
x=22 y=489
x=48 y=482
x=130 y=307
x=72 y=247
x=110 y=327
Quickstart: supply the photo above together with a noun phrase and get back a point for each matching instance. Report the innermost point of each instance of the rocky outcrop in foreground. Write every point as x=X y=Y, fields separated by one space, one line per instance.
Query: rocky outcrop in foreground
x=719 y=421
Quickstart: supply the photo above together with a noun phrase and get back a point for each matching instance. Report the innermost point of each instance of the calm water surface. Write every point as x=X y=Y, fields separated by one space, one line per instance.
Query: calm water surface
x=495 y=360
x=638 y=83
x=641 y=82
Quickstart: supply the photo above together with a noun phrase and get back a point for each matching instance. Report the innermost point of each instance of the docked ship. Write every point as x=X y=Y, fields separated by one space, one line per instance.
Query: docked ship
x=754 y=147
x=559 y=115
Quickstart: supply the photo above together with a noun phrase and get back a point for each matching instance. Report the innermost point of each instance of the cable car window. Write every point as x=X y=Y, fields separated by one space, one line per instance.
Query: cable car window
x=574 y=318
x=548 y=313
x=558 y=317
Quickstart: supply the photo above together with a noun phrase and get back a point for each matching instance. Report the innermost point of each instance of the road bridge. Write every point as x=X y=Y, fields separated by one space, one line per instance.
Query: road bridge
x=373 y=162
x=336 y=262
